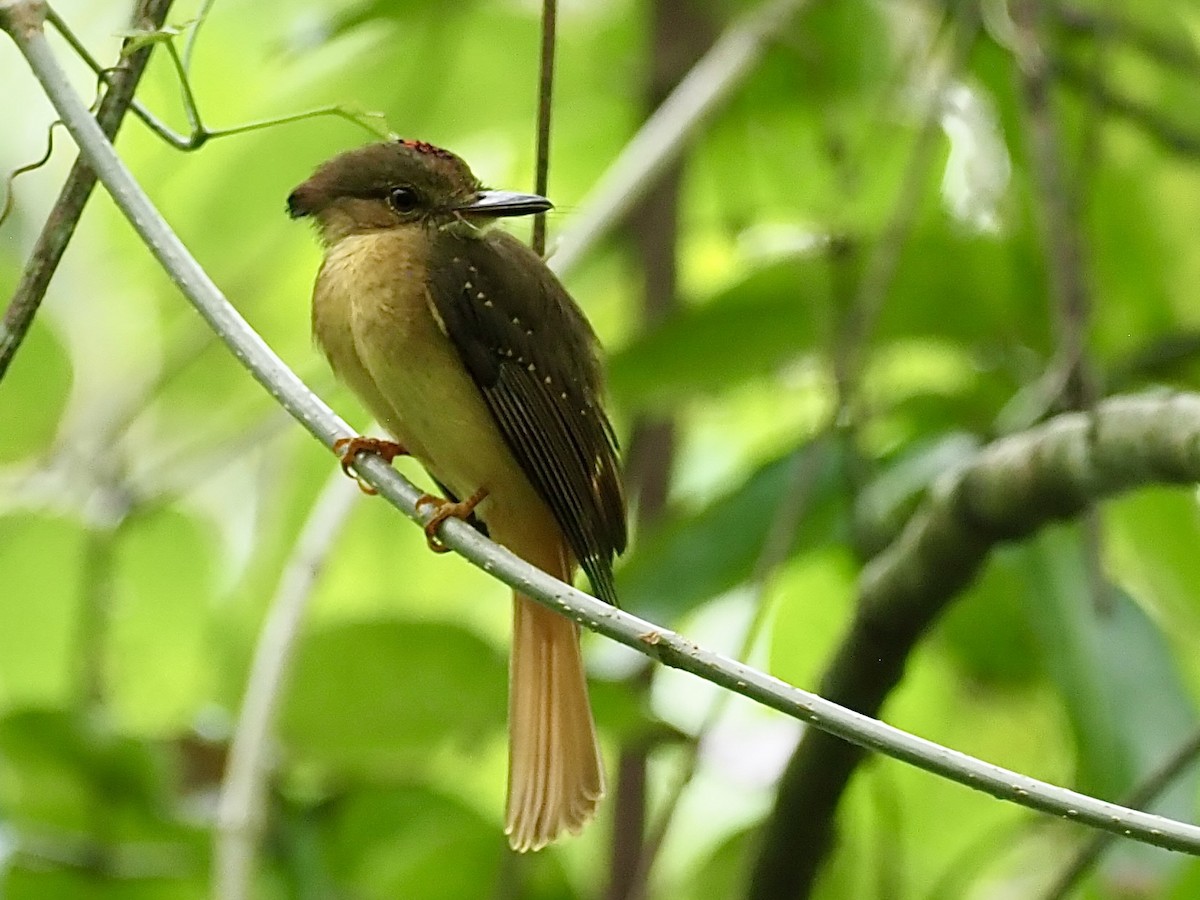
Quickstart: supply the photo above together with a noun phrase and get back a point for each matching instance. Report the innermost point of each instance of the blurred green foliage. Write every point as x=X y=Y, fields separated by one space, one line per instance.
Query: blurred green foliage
x=151 y=495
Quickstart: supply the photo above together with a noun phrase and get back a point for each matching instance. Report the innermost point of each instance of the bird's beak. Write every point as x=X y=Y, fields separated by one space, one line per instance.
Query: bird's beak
x=505 y=203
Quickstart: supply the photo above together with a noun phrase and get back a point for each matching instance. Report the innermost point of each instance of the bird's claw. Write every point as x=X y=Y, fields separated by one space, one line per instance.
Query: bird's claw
x=348 y=448
x=445 y=509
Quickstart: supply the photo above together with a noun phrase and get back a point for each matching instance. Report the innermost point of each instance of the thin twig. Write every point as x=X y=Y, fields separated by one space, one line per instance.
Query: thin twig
x=785 y=521
x=884 y=259
x=200 y=134
x=786 y=856
x=189 y=46
x=1149 y=790
x=240 y=808
x=1103 y=25
x=541 y=183
x=1127 y=442
x=1171 y=135
x=60 y=225
x=666 y=134
x=1057 y=209
x=679 y=34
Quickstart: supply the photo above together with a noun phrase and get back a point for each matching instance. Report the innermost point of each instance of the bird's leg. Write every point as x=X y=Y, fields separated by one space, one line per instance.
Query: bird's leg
x=458 y=509
x=348 y=448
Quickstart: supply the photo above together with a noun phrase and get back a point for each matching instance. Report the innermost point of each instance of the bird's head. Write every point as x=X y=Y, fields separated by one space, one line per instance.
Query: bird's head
x=398 y=184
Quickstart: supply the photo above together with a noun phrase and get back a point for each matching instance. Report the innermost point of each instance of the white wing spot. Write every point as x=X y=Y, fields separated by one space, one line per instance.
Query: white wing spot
x=487 y=303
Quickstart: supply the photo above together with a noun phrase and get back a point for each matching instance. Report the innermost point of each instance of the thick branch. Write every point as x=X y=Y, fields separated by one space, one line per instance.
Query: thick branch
x=60 y=225
x=1025 y=480
x=1012 y=488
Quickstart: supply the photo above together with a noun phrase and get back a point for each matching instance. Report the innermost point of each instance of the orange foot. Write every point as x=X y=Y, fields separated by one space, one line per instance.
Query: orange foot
x=348 y=448
x=446 y=509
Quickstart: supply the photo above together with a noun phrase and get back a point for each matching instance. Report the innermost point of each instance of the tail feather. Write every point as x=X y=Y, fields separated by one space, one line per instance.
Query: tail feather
x=555 y=776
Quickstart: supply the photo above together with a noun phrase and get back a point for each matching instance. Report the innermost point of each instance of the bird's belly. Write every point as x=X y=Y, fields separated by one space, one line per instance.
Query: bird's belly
x=381 y=339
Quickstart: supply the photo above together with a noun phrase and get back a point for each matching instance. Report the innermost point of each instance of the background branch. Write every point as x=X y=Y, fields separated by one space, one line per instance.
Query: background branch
x=541 y=180
x=1011 y=489
x=679 y=35
x=1139 y=798
x=1171 y=135
x=60 y=225
x=1104 y=24
x=241 y=807
x=1056 y=208
x=663 y=136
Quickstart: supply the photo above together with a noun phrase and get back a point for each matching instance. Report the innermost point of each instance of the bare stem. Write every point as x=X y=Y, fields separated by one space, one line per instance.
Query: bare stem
x=663 y=137
x=545 y=104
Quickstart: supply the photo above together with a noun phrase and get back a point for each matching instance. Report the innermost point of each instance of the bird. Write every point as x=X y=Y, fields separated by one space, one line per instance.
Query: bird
x=472 y=355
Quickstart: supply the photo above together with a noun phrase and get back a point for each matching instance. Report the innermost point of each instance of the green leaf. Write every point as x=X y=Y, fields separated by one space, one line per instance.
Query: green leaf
x=413 y=842
x=622 y=710
x=158 y=646
x=33 y=393
x=42 y=559
x=845 y=51
x=813 y=597
x=723 y=873
x=750 y=329
x=1060 y=607
x=61 y=772
x=987 y=630
x=891 y=497
x=33 y=881
x=1151 y=540
x=381 y=694
x=694 y=557
x=1127 y=264
x=975 y=289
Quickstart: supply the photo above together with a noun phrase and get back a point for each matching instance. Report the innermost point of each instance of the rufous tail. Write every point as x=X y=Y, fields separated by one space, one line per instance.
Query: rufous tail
x=555 y=776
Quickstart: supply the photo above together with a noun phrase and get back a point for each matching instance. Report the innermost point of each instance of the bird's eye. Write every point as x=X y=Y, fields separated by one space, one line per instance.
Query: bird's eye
x=403 y=199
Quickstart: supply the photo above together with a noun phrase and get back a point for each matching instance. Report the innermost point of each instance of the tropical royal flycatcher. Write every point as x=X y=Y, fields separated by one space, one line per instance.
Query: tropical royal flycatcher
x=471 y=353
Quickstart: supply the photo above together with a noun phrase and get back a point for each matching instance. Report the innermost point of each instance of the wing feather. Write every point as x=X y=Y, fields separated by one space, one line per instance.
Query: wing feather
x=534 y=357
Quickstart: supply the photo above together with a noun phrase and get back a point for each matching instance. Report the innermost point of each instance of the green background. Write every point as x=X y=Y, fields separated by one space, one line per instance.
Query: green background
x=151 y=494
